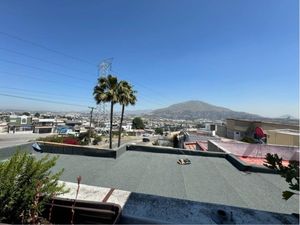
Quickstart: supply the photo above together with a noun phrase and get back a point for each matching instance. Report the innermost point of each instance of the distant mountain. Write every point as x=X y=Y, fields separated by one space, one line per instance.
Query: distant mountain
x=287 y=116
x=138 y=112
x=199 y=110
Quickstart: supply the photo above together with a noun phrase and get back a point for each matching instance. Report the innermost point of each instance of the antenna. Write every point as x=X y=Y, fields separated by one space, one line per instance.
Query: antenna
x=104 y=67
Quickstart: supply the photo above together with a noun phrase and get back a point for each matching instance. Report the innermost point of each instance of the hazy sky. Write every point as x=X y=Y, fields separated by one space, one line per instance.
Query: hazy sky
x=240 y=54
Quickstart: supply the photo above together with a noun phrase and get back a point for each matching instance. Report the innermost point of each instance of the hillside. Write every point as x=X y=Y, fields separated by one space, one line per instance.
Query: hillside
x=198 y=110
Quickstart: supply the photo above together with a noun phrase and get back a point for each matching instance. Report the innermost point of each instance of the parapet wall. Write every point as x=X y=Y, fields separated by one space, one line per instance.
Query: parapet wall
x=166 y=150
x=255 y=150
x=59 y=148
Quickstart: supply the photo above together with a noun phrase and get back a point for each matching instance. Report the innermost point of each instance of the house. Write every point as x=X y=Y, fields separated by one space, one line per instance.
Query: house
x=44 y=126
x=20 y=124
x=3 y=127
x=237 y=129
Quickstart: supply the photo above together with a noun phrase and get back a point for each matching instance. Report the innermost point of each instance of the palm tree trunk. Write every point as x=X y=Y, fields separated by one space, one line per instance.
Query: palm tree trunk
x=111 y=122
x=120 y=128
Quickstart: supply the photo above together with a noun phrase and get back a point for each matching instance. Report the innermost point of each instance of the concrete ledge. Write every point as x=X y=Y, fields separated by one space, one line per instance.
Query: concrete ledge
x=59 y=148
x=241 y=165
x=121 y=150
x=165 y=150
x=140 y=208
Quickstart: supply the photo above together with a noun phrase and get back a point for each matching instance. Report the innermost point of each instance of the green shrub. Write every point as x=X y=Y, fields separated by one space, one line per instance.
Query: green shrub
x=55 y=138
x=248 y=140
x=159 y=131
x=290 y=173
x=23 y=180
x=96 y=140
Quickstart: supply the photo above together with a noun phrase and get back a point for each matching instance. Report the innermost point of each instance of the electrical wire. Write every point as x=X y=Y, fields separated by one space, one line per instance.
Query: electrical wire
x=45 y=70
x=43 y=93
x=41 y=59
x=44 y=47
x=43 y=100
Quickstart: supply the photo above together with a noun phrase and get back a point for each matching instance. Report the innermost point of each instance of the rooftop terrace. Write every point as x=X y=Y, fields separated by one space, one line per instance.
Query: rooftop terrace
x=189 y=193
x=206 y=179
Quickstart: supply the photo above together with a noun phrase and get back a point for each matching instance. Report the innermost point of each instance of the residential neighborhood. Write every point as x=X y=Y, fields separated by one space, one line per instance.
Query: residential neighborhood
x=149 y=112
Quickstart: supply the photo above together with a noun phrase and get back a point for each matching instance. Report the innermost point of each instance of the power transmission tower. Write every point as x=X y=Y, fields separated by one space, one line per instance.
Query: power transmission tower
x=104 y=67
x=91 y=117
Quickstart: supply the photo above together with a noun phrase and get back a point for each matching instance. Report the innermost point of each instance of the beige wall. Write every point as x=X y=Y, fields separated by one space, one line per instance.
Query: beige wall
x=279 y=138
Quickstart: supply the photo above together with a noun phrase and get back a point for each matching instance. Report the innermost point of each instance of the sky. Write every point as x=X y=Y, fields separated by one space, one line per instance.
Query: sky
x=239 y=54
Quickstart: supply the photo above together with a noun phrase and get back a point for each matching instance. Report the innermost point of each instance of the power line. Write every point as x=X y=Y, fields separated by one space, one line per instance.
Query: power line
x=64 y=54
x=39 y=78
x=41 y=69
x=91 y=117
x=53 y=72
x=41 y=92
x=42 y=100
x=145 y=87
x=40 y=59
x=107 y=63
x=144 y=97
x=44 y=47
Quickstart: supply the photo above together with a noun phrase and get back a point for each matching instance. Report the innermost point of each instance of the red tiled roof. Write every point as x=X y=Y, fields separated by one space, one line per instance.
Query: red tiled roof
x=258 y=161
x=202 y=145
x=190 y=145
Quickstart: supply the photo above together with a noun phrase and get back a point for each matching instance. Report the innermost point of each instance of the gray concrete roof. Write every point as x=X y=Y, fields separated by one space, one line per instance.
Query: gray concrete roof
x=207 y=179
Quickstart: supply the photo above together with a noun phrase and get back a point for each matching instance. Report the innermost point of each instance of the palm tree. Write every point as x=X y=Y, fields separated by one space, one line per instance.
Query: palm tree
x=126 y=96
x=107 y=91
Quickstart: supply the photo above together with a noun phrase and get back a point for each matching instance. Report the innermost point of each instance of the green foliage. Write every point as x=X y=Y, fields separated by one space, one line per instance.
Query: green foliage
x=23 y=180
x=175 y=141
x=290 y=173
x=126 y=96
x=54 y=138
x=200 y=125
x=248 y=140
x=26 y=113
x=65 y=139
x=37 y=114
x=96 y=140
x=159 y=131
x=106 y=90
x=137 y=123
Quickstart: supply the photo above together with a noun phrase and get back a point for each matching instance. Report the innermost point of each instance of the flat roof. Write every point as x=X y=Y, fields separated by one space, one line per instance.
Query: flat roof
x=206 y=179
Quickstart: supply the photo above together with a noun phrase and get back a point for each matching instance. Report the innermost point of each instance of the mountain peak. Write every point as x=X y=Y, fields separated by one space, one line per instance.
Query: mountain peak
x=195 y=109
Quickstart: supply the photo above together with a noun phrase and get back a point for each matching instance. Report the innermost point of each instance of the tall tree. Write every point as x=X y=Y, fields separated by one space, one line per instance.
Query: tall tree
x=126 y=96
x=106 y=90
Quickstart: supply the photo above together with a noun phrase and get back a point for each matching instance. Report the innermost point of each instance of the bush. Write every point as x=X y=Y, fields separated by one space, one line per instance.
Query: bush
x=96 y=140
x=159 y=131
x=70 y=139
x=24 y=180
x=55 y=138
x=248 y=140
x=290 y=173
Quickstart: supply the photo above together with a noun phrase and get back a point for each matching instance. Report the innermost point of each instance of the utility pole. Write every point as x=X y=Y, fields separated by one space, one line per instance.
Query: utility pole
x=91 y=117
